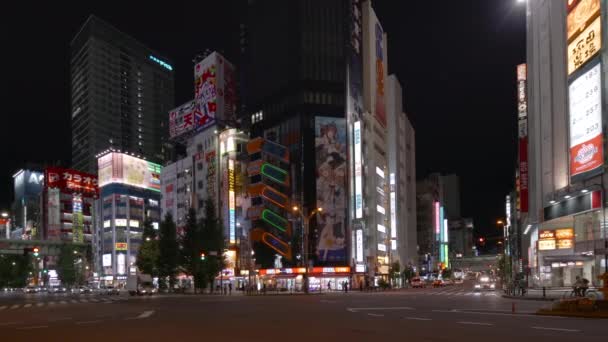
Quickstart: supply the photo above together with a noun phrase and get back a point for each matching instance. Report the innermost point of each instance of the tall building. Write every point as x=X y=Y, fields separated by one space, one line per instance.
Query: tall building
x=129 y=195
x=121 y=92
x=295 y=96
x=402 y=176
x=28 y=184
x=322 y=94
x=564 y=221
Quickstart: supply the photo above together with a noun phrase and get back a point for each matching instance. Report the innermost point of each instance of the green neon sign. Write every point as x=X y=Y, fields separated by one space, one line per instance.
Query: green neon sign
x=272 y=218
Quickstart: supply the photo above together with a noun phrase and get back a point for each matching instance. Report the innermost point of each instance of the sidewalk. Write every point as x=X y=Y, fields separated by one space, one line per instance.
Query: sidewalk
x=550 y=294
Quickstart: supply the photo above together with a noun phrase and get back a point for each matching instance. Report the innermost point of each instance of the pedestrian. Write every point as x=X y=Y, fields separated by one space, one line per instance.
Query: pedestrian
x=361 y=286
x=329 y=286
x=264 y=288
x=346 y=287
x=230 y=288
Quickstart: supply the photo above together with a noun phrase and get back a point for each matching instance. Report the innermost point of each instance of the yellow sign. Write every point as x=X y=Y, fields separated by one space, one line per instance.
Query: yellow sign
x=121 y=246
x=565 y=233
x=564 y=244
x=546 y=245
x=580 y=16
x=585 y=46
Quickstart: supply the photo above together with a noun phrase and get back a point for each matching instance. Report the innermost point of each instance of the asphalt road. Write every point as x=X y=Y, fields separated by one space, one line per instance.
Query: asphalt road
x=446 y=314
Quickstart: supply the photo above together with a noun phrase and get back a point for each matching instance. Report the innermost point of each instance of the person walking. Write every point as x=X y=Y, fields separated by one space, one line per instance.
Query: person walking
x=230 y=289
x=346 y=287
x=329 y=286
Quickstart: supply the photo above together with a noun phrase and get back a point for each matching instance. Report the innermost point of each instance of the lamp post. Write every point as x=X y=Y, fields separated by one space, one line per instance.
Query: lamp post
x=305 y=231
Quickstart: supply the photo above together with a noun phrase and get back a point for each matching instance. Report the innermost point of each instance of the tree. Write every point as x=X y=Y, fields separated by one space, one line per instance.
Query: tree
x=168 y=251
x=394 y=272
x=191 y=249
x=66 y=269
x=148 y=255
x=408 y=273
x=15 y=270
x=212 y=237
x=446 y=273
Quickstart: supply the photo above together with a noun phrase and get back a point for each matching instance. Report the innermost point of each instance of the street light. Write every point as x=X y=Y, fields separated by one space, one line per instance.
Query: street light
x=4 y=214
x=305 y=231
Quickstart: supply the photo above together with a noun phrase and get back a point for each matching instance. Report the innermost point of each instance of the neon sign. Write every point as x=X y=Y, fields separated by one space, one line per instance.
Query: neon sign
x=161 y=63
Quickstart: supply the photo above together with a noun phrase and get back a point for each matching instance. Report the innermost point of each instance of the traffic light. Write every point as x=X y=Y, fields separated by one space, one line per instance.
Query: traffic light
x=36 y=250
x=202 y=256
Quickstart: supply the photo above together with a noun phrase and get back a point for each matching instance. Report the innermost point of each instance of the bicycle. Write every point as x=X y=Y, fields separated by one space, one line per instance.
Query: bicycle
x=590 y=294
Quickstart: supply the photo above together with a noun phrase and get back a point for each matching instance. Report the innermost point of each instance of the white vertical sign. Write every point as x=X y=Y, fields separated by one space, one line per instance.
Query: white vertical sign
x=359 y=245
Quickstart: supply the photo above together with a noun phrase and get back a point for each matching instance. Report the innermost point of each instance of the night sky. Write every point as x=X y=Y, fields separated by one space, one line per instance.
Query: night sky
x=455 y=60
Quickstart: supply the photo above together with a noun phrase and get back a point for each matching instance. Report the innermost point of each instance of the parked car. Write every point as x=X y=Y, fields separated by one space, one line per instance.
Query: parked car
x=417 y=282
x=109 y=290
x=57 y=289
x=30 y=289
x=84 y=290
x=458 y=281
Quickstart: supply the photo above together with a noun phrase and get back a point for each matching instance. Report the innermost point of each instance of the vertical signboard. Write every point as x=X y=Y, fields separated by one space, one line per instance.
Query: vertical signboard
x=522 y=114
x=77 y=219
x=205 y=92
x=586 y=137
x=331 y=171
x=359 y=243
x=231 y=201
x=584 y=32
x=380 y=105
x=358 y=171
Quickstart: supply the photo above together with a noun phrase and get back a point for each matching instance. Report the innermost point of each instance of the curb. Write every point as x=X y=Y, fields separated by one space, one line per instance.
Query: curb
x=540 y=299
x=600 y=315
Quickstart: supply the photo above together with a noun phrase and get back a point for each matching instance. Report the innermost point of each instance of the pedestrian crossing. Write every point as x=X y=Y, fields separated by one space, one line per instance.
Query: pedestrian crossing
x=453 y=292
x=55 y=303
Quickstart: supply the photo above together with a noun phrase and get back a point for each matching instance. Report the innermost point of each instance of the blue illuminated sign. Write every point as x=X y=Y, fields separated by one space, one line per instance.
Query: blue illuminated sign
x=163 y=64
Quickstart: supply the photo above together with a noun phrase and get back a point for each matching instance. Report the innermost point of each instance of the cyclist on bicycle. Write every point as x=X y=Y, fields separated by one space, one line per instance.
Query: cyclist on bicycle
x=578 y=286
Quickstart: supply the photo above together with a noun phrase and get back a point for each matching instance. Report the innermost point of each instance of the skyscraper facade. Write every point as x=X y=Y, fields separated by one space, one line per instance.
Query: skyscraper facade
x=121 y=92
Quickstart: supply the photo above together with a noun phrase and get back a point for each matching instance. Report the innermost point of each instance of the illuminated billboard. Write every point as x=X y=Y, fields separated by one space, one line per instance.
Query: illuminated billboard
x=77 y=219
x=231 y=201
x=358 y=170
x=68 y=180
x=586 y=142
x=183 y=119
x=585 y=45
x=331 y=171
x=580 y=16
x=125 y=169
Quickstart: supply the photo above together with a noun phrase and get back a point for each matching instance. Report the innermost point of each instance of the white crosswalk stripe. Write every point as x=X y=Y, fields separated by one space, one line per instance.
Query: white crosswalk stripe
x=2 y=307
x=39 y=304
x=27 y=305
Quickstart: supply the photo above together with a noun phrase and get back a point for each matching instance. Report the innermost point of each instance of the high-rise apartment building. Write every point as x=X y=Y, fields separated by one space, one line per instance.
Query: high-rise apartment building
x=121 y=93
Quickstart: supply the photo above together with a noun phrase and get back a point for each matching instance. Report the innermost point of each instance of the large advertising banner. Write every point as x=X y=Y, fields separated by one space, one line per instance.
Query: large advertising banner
x=69 y=180
x=205 y=91
x=380 y=105
x=182 y=119
x=522 y=115
x=125 y=169
x=586 y=142
x=331 y=171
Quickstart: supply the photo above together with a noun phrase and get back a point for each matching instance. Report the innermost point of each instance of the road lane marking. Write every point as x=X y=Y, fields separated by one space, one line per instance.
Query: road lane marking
x=9 y=323
x=379 y=308
x=327 y=301
x=74 y=301
x=60 y=319
x=39 y=304
x=143 y=315
x=475 y=323
x=15 y=306
x=556 y=329
x=89 y=322
x=2 y=307
x=63 y=302
x=27 y=305
x=418 y=318
x=375 y=315
x=51 y=303
x=84 y=301
x=34 y=327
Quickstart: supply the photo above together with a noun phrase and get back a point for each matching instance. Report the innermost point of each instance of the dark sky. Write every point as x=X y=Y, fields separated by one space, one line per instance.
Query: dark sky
x=455 y=59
